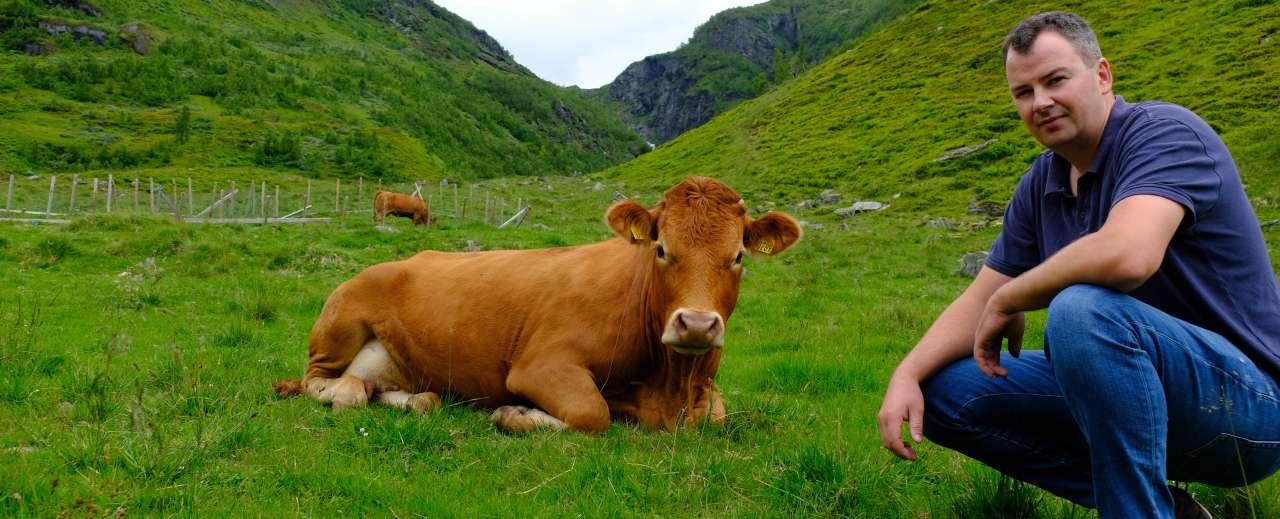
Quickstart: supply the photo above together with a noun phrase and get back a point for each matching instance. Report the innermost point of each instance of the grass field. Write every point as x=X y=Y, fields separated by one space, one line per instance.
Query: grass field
x=148 y=393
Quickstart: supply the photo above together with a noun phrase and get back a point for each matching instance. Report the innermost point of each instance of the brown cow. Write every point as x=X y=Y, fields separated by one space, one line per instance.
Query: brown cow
x=631 y=327
x=395 y=204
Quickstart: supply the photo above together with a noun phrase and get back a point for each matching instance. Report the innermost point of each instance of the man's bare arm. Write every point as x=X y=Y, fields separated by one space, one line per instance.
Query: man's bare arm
x=1122 y=255
x=948 y=339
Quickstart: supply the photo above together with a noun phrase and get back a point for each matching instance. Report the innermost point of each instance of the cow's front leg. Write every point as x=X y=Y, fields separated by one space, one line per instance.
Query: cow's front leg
x=709 y=406
x=566 y=392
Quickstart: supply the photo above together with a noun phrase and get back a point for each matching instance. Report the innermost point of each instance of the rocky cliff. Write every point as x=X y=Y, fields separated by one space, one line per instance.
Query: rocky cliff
x=737 y=55
x=667 y=94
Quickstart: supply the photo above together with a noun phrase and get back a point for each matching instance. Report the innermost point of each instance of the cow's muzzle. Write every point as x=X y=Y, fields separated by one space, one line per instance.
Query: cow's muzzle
x=694 y=332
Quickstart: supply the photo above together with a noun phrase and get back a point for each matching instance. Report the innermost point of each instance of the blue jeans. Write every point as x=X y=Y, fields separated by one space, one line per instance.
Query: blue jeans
x=1124 y=398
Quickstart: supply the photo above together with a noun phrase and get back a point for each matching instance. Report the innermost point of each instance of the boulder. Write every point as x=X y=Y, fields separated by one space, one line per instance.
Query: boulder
x=984 y=208
x=829 y=197
x=860 y=207
x=965 y=151
x=36 y=48
x=971 y=263
x=137 y=38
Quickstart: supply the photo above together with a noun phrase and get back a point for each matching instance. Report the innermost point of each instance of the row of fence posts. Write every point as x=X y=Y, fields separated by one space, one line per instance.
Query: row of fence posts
x=224 y=202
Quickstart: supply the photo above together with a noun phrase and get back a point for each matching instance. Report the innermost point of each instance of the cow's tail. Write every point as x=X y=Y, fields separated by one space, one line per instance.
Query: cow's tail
x=287 y=388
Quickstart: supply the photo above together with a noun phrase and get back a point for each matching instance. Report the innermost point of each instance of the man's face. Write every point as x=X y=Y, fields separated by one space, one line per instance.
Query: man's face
x=1063 y=101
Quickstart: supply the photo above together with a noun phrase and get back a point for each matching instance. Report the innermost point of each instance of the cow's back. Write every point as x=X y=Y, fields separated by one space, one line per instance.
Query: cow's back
x=458 y=321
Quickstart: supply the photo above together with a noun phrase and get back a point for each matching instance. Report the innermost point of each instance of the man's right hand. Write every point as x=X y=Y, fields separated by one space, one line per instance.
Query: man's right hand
x=903 y=402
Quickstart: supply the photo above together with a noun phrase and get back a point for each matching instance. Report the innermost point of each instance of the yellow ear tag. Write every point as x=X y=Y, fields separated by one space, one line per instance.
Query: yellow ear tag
x=637 y=232
x=765 y=246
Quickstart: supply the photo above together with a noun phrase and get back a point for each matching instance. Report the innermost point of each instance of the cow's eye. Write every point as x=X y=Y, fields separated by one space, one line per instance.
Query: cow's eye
x=738 y=260
x=662 y=253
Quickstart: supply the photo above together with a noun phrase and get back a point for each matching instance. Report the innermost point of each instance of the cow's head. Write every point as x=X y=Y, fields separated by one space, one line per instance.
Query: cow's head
x=695 y=240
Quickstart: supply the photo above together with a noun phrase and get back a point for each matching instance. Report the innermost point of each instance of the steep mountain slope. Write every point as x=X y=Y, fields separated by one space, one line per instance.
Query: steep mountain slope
x=345 y=87
x=871 y=120
x=737 y=55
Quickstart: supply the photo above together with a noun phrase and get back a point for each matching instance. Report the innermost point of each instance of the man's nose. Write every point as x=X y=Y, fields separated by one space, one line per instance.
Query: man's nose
x=1042 y=101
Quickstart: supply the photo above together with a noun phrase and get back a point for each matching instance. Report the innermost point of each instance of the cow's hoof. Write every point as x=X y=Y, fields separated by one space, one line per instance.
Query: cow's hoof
x=426 y=402
x=511 y=418
x=521 y=419
x=349 y=392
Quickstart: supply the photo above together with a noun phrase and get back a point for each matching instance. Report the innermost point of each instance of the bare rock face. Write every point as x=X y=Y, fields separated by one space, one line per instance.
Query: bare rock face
x=662 y=94
x=79 y=31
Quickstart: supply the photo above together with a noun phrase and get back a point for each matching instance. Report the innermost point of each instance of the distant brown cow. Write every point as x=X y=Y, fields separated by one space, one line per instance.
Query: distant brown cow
x=631 y=327
x=395 y=204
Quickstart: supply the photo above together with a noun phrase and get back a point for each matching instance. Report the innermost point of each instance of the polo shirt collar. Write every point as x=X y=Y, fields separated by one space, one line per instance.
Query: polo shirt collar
x=1058 y=181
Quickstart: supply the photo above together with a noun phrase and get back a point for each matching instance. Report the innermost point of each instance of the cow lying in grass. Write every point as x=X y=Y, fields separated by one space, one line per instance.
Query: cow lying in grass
x=631 y=327
x=395 y=204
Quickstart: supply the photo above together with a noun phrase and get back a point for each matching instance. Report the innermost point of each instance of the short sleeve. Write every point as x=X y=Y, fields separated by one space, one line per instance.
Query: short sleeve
x=1169 y=158
x=1017 y=250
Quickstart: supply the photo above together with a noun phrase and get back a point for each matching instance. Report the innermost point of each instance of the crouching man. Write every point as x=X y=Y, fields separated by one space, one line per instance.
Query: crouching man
x=1162 y=347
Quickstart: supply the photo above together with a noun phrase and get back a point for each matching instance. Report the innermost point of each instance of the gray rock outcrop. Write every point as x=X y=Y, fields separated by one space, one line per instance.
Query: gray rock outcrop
x=971 y=263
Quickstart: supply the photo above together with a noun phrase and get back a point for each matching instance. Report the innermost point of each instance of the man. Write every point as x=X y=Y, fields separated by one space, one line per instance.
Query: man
x=1162 y=346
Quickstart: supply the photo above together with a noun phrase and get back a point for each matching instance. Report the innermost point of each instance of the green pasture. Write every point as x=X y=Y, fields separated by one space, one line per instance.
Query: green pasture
x=136 y=356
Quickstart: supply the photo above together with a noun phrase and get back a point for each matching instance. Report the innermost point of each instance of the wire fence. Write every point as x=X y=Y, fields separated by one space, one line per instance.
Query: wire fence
x=56 y=198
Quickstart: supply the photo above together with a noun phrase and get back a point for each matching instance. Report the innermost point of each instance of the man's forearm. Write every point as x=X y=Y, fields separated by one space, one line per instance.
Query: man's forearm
x=1095 y=259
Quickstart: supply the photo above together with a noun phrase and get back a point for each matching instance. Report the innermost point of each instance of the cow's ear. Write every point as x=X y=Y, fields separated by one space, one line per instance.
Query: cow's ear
x=632 y=221
x=771 y=234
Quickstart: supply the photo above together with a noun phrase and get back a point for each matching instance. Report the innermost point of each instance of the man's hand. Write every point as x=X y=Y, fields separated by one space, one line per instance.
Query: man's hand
x=903 y=402
x=996 y=326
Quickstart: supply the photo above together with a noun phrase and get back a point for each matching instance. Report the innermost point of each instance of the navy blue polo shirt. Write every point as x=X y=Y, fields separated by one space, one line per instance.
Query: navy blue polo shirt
x=1216 y=273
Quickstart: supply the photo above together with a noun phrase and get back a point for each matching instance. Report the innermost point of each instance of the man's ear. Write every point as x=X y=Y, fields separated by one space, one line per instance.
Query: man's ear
x=771 y=234
x=632 y=221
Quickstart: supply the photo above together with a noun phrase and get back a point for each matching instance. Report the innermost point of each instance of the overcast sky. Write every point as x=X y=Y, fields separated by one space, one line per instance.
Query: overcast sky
x=587 y=42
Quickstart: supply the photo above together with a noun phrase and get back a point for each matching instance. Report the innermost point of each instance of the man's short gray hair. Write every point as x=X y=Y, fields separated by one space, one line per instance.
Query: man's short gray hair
x=1070 y=26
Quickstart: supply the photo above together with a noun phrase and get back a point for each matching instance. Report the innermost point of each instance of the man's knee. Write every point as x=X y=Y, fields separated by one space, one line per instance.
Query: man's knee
x=1076 y=314
x=946 y=394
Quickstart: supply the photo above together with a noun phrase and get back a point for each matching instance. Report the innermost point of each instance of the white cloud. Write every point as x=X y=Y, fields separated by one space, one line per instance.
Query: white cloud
x=587 y=42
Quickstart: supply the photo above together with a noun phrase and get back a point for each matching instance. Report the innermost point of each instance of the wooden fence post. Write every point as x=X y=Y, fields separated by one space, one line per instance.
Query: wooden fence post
x=337 y=195
x=75 y=180
x=232 y=203
x=277 y=201
x=253 y=198
x=191 y=198
x=456 y=209
x=263 y=206
x=151 y=191
x=307 y=206
x=135 y=195
x=8 y=200
x=110 y=192
x=93 y=196
x=486 y=208
x=48 y=207
x=177 y=199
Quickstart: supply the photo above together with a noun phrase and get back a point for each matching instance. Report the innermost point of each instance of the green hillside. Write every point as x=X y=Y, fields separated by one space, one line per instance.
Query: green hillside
x=870 y=121
x=400 y=89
